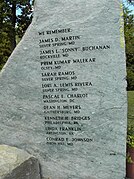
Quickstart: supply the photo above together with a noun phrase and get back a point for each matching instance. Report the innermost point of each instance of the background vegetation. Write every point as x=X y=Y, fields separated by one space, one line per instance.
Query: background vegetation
x=15 y=17
x=129 y=40
x=131 y=106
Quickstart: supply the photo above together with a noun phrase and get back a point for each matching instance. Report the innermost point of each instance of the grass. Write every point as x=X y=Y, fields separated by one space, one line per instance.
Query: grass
x=131 y=108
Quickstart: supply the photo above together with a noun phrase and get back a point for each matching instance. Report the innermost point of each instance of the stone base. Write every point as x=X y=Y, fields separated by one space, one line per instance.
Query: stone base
x=17 y=164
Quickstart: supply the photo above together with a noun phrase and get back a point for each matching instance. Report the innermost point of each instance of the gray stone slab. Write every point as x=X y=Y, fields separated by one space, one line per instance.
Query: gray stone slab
x=17 y=164
x=62 y=91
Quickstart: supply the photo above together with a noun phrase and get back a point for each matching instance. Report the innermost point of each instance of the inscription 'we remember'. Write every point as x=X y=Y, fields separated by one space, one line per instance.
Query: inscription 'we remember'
x=64 y=88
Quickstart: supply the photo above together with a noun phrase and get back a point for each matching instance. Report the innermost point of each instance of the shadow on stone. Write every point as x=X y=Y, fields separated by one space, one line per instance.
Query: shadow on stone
x=17 y=164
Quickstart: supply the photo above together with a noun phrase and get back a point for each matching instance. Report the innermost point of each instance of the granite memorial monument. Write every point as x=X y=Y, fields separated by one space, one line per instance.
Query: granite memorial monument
x=63 y=90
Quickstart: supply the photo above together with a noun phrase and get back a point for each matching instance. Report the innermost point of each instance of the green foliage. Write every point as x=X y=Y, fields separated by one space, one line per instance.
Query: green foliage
x=5 y=48
x=129 y=158
x=130 y=138
x=130 y=129
x=131 y=2
x=24 y=19
x=129 y=39
x=5 y=43
x=130 y=142
x=12 y=25
x=131 y=108
x=130 y=78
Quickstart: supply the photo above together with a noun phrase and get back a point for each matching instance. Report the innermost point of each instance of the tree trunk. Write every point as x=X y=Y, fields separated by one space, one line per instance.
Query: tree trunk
x=13 y=35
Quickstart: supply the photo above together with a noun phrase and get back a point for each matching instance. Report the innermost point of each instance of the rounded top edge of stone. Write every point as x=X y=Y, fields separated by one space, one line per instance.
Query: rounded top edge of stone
x=11 y=157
